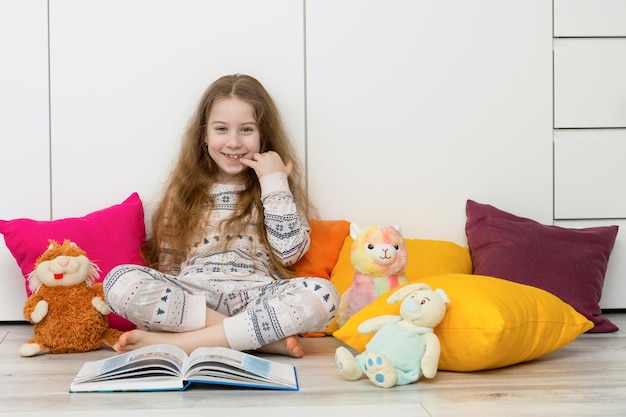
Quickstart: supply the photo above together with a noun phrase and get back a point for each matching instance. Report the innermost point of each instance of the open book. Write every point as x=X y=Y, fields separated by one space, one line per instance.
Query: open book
x=167 y=367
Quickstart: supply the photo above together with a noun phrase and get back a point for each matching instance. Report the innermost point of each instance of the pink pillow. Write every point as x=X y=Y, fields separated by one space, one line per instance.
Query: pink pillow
x=110 y=237
x=569 y=263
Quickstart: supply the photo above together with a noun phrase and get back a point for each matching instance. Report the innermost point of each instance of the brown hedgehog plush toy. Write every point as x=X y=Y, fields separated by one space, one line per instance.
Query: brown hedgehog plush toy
x=66 y=307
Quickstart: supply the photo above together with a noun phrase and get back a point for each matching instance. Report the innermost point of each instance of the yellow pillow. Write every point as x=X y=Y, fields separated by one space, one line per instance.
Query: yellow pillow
x=491 y=322
x=425 y=258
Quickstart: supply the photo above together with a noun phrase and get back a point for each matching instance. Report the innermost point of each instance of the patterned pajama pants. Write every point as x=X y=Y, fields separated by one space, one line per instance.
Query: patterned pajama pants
x=259 y=309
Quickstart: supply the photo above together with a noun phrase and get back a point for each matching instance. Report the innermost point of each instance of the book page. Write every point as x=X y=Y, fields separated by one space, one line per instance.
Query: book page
x=150 y=360
x=227 y=365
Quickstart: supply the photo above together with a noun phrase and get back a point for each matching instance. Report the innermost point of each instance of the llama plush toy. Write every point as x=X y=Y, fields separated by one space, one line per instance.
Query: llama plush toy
x=379 y=257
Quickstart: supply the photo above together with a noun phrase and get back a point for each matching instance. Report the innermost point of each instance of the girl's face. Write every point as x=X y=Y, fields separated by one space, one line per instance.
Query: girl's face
x=232 y=134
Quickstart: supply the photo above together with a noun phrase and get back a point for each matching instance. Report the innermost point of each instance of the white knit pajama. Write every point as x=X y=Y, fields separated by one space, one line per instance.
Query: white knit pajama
x=232 y=279
x=260 y=309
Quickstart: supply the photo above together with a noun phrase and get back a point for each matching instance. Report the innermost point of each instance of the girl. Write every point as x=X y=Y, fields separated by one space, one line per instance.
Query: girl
x=231 y=221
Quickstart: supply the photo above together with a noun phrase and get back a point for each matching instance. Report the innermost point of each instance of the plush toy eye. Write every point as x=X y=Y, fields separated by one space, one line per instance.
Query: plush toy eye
x=396 y=246
x=370 y=246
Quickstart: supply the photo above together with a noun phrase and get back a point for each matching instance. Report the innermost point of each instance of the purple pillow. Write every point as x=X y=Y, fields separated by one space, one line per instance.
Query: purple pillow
x=110 y=237
x=569 y=263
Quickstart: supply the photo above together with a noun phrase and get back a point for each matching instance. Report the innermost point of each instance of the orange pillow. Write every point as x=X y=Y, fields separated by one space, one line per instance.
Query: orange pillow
x=327 y=237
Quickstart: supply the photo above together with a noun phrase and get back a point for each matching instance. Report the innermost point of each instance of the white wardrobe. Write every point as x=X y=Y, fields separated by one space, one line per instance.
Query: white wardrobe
x=590 y=125
x=402 y=109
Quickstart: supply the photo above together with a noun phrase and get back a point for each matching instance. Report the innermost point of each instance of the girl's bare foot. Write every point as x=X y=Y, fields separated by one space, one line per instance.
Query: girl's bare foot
x=135 y=339
x=187 y=341
x=289 y=346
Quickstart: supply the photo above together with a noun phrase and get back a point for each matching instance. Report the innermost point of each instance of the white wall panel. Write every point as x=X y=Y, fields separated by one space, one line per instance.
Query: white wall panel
x=127 y=75
x=24 y=134
x=415 y=106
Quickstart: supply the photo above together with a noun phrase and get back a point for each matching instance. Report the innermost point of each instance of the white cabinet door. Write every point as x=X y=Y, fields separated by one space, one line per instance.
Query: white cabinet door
x=589 y=83
x=127 y=75
x=589 y=18
x=414 y=107
x=24 y=132
x=590 y=174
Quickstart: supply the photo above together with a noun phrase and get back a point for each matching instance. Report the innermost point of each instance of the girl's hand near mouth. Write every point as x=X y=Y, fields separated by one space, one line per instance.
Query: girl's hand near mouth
x=268 y=163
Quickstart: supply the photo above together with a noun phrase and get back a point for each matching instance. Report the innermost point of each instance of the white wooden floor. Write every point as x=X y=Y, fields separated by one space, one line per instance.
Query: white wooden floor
x=585 y=378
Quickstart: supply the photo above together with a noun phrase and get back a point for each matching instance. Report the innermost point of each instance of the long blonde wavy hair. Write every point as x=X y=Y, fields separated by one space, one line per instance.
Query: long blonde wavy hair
x=178 y=215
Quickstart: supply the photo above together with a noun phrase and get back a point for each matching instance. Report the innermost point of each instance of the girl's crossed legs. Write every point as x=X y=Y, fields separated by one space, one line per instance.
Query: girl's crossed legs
x=249 y=313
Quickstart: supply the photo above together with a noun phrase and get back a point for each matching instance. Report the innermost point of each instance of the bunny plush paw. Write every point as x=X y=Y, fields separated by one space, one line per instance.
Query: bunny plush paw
x=347 y=364
x=380 y=370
